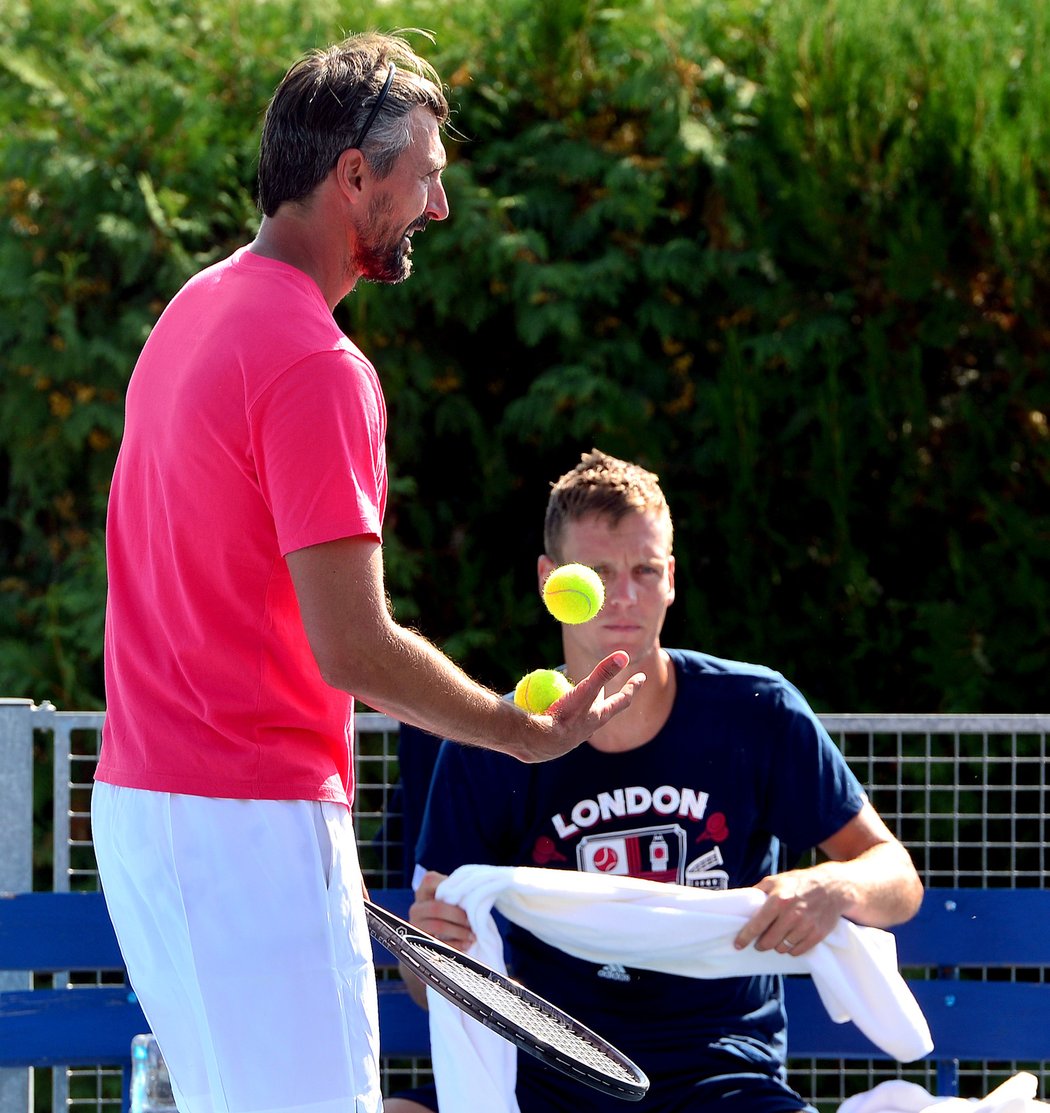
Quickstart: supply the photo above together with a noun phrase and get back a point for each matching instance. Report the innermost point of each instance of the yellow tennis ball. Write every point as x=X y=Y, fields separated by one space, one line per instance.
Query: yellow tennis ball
x=537 y=690
x=574 y=593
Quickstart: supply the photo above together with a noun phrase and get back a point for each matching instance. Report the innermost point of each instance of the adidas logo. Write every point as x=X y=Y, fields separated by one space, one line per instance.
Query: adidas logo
x=614 y=972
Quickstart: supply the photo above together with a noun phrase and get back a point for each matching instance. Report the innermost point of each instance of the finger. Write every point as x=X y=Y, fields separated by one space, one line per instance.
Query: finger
x=455 y=935
x=621 y=700
x=454 y=929
x=602 y=673
x=445 y=921
x=756 y=929
x=798 y=940
x=441 y=912
x=772 y=939
x=428 y=885
x=588 y=697
x=786 y=934
x=611 y=665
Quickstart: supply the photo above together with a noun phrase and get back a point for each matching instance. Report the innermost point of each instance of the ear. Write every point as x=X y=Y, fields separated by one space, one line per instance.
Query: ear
x=352 y=174
x=544 y=567
x=670 y=580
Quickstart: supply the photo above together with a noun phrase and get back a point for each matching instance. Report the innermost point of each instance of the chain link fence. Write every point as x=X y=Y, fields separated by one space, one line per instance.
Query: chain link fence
x=967 y=795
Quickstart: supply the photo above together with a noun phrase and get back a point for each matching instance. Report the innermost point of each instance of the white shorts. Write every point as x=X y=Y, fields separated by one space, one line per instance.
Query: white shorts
x=243 y=930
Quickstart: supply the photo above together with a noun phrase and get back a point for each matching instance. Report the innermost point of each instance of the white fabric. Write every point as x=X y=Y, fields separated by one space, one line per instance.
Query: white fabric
x=668 y=928
x=1016 y=1095
x=243 y=929
x=475 y=1070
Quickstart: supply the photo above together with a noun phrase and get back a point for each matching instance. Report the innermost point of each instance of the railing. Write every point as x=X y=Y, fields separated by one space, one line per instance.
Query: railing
x=966 y=793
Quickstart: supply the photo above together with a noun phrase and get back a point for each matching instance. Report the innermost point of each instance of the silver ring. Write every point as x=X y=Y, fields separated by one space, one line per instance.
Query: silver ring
x=788 y=943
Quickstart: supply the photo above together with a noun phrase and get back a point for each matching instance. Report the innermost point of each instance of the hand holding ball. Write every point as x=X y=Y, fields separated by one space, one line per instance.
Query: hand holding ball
x=574 y=593
x=537 y=690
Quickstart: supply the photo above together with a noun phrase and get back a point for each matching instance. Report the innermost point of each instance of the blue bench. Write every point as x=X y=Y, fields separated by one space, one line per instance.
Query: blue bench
x=958 y=936
x=93 y=1025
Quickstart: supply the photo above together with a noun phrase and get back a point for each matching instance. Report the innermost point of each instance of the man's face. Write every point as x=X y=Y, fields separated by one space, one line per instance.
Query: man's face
x=410 y=196
x=633 y=558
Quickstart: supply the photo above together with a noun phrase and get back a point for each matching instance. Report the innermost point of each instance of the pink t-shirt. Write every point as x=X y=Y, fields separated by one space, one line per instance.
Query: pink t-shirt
x=254 y=428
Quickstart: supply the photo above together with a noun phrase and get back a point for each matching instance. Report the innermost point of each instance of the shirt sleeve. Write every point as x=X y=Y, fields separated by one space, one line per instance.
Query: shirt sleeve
x=318 y=441
x=812 y=792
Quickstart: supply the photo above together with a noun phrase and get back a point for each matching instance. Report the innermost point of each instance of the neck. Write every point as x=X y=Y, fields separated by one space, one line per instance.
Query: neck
x=293 y=236
x=649 y=709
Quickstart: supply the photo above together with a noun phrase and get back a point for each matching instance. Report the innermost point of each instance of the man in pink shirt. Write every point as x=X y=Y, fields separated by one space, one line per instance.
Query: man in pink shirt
x=247 y=608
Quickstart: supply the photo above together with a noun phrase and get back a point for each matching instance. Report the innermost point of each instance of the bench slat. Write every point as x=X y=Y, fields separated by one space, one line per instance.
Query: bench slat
x=56 y=931
x=74 y=1027
x=978 y=927
x=45 y=932
x=1003 y=1021
x=95 y=1025
x=955 y=927
x=404 y=1028
x=970 y=1020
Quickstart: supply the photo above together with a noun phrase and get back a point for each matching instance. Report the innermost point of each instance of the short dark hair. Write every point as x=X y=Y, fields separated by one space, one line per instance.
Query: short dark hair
x=321 y=104
x=602 y=485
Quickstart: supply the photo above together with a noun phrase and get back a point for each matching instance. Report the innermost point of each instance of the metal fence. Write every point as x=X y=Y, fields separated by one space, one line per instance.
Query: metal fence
x=967 y=795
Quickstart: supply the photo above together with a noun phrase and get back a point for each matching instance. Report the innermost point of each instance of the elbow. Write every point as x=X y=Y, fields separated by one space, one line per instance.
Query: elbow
x=907 y=895
x=333 y=662
x=344 y=674
x=335 y=671
x=912 y=889
x=358 y=663
x=914 y=892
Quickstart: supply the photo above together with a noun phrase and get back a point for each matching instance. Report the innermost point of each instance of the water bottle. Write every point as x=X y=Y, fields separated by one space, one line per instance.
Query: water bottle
x=150 y=1085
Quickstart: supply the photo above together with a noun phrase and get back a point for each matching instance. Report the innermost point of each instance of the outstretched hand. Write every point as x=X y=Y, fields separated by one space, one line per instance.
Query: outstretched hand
x=579 y=713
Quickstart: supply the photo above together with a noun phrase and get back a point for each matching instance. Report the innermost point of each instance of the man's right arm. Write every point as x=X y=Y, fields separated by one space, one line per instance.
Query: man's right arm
x=360 y=649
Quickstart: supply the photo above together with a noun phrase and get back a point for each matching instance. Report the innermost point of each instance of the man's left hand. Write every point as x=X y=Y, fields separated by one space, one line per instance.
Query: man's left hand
x=801 y=909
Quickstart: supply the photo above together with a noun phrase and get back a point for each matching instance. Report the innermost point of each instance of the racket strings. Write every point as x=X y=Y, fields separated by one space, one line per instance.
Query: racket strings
x=542 y=1025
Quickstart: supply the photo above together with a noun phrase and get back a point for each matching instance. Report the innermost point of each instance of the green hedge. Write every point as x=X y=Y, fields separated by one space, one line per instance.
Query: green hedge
x=791 y=254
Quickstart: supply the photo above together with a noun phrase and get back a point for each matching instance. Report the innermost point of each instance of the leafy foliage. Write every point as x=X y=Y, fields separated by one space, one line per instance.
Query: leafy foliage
x=791 y=255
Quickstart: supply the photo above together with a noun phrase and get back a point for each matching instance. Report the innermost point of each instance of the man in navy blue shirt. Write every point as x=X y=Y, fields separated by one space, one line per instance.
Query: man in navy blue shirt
x=719 y=775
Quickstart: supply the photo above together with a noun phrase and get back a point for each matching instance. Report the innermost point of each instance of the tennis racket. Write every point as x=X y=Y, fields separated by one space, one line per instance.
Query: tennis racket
x=518 y=1015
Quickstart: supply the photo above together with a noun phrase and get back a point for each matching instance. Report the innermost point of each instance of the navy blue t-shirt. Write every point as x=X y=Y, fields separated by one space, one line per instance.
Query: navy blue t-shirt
x=738 y=783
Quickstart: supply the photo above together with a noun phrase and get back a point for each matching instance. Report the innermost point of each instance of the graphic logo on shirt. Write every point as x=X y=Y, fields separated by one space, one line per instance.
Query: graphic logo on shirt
x=614 y=972
x=651 y=853
x=701 y=873
x=716 y=829
x=666 y=801
x=545 y=851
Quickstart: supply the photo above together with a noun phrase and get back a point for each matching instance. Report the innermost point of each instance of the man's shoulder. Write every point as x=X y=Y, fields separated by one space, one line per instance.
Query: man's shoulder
x=691 y=664
x=740 y=687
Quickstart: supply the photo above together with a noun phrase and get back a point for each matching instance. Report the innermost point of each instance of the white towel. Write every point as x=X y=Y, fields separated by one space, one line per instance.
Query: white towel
x=475 y=1070
x=667 y=928
x=1016 y=1095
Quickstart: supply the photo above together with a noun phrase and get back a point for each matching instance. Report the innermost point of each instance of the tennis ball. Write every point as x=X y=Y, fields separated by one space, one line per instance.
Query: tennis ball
x=537 y=690
x=574 y=593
